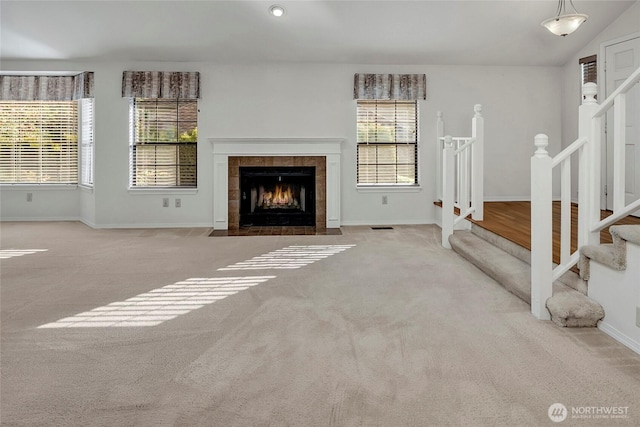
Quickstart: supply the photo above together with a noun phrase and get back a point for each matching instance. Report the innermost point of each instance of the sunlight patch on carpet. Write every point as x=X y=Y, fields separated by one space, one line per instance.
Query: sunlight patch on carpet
x=11 y=253
x=159 y=305
x=288 y=258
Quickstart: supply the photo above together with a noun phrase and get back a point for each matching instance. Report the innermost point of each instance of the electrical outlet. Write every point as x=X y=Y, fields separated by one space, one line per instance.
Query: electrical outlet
x=165 y=202
x=178 y=203
x=29 y=197
x=385 y=200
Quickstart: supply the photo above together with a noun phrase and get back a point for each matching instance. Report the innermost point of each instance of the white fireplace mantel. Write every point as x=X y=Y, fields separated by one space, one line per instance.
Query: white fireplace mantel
x=222 y=148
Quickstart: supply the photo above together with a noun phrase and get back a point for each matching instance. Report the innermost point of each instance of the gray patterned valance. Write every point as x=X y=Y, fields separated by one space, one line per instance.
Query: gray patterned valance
x=390 y=86
x=46 y=88
x=161 y=84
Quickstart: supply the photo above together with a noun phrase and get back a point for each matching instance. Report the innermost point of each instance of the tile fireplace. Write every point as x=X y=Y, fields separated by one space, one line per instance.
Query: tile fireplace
x=310 y=167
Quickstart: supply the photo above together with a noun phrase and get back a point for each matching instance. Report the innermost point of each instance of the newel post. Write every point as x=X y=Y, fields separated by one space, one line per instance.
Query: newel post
x=439 y=148
x=589 y=167
x=477 y=164
x=448 y=185
x=541 y=228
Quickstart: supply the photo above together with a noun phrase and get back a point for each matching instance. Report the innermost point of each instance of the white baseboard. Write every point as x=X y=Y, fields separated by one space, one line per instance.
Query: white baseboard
x=106 y=226
x=41 y=219
x=507 y=198
x=517 y=199
x=387 y=223
x=88 y=223
x=159 y=225
x=619 y=336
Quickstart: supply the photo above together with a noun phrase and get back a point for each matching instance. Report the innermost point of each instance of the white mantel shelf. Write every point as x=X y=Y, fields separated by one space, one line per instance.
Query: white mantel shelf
x=276 y=146
x=222 y=148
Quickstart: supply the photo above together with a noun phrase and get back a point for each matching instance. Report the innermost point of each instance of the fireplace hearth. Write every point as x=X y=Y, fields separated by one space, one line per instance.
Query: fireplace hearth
x=277 y=196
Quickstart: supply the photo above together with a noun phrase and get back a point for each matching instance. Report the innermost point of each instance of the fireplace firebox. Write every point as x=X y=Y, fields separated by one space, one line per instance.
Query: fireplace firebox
x=277 y=196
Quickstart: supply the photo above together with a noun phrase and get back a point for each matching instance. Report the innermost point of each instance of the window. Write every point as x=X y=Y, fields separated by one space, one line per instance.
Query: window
x=387 y=142
x=86 y=142
x=589 y=67
x=39 y=142
x=163 y=142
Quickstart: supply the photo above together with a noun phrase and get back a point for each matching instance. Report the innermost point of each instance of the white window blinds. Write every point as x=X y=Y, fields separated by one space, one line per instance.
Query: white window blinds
x=163 y=142
x=589 y=67
x=387 y=142
x=39 y=142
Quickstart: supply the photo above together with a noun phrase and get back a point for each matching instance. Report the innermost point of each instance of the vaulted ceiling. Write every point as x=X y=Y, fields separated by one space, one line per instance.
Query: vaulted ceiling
x=365 y=32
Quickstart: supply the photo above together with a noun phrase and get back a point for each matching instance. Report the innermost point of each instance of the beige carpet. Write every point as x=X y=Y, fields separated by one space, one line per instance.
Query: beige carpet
x=394 y=331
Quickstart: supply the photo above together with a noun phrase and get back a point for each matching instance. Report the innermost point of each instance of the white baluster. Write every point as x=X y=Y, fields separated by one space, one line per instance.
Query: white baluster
x=456 y=175
x=541 y=228
x=439 y=148
x=477 y=164
x=565 y=210
x=447 y=191
x=463 y=179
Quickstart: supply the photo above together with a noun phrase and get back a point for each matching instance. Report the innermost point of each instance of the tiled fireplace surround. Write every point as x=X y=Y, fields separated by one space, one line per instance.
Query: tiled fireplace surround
x=236 y=162
x=231 y=154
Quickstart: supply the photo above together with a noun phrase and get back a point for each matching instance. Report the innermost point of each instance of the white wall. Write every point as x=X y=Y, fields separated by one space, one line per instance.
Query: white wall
x=619 y=294
x=58 y=203
x=87 y=206
x=627 y=23
x=310 y=101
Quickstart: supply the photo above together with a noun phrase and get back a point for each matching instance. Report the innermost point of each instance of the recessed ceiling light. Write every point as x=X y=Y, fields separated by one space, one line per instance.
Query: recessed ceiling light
x=277 y=10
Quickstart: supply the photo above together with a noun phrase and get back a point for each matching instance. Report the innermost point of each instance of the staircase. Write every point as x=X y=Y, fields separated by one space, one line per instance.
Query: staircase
x=613 y=255
x=509 y=265
x=553 y=291
x=613 y=272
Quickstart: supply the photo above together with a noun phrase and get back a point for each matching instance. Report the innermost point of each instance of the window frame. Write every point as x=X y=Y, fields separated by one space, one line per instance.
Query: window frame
x=86 y=142
x=70 y=155
x=134 y=142
x=414 y=142
x=589 y=69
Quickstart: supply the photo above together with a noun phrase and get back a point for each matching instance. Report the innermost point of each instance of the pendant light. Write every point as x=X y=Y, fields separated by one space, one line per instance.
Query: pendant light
x=564 y=23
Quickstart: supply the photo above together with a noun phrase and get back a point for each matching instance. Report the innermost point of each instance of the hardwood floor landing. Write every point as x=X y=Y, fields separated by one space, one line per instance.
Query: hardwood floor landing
x=512 y=220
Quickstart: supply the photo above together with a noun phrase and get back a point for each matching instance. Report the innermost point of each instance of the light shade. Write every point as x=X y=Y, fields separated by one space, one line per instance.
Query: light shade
x=277 y=10
x=563 y=25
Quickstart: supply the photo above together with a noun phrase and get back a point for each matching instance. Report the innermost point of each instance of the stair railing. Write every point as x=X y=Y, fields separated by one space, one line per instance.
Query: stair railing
x=617 y=100
x=588 y=149
x=461 y=171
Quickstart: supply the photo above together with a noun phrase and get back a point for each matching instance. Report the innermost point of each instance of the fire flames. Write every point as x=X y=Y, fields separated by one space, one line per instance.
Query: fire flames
x=280 y=197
